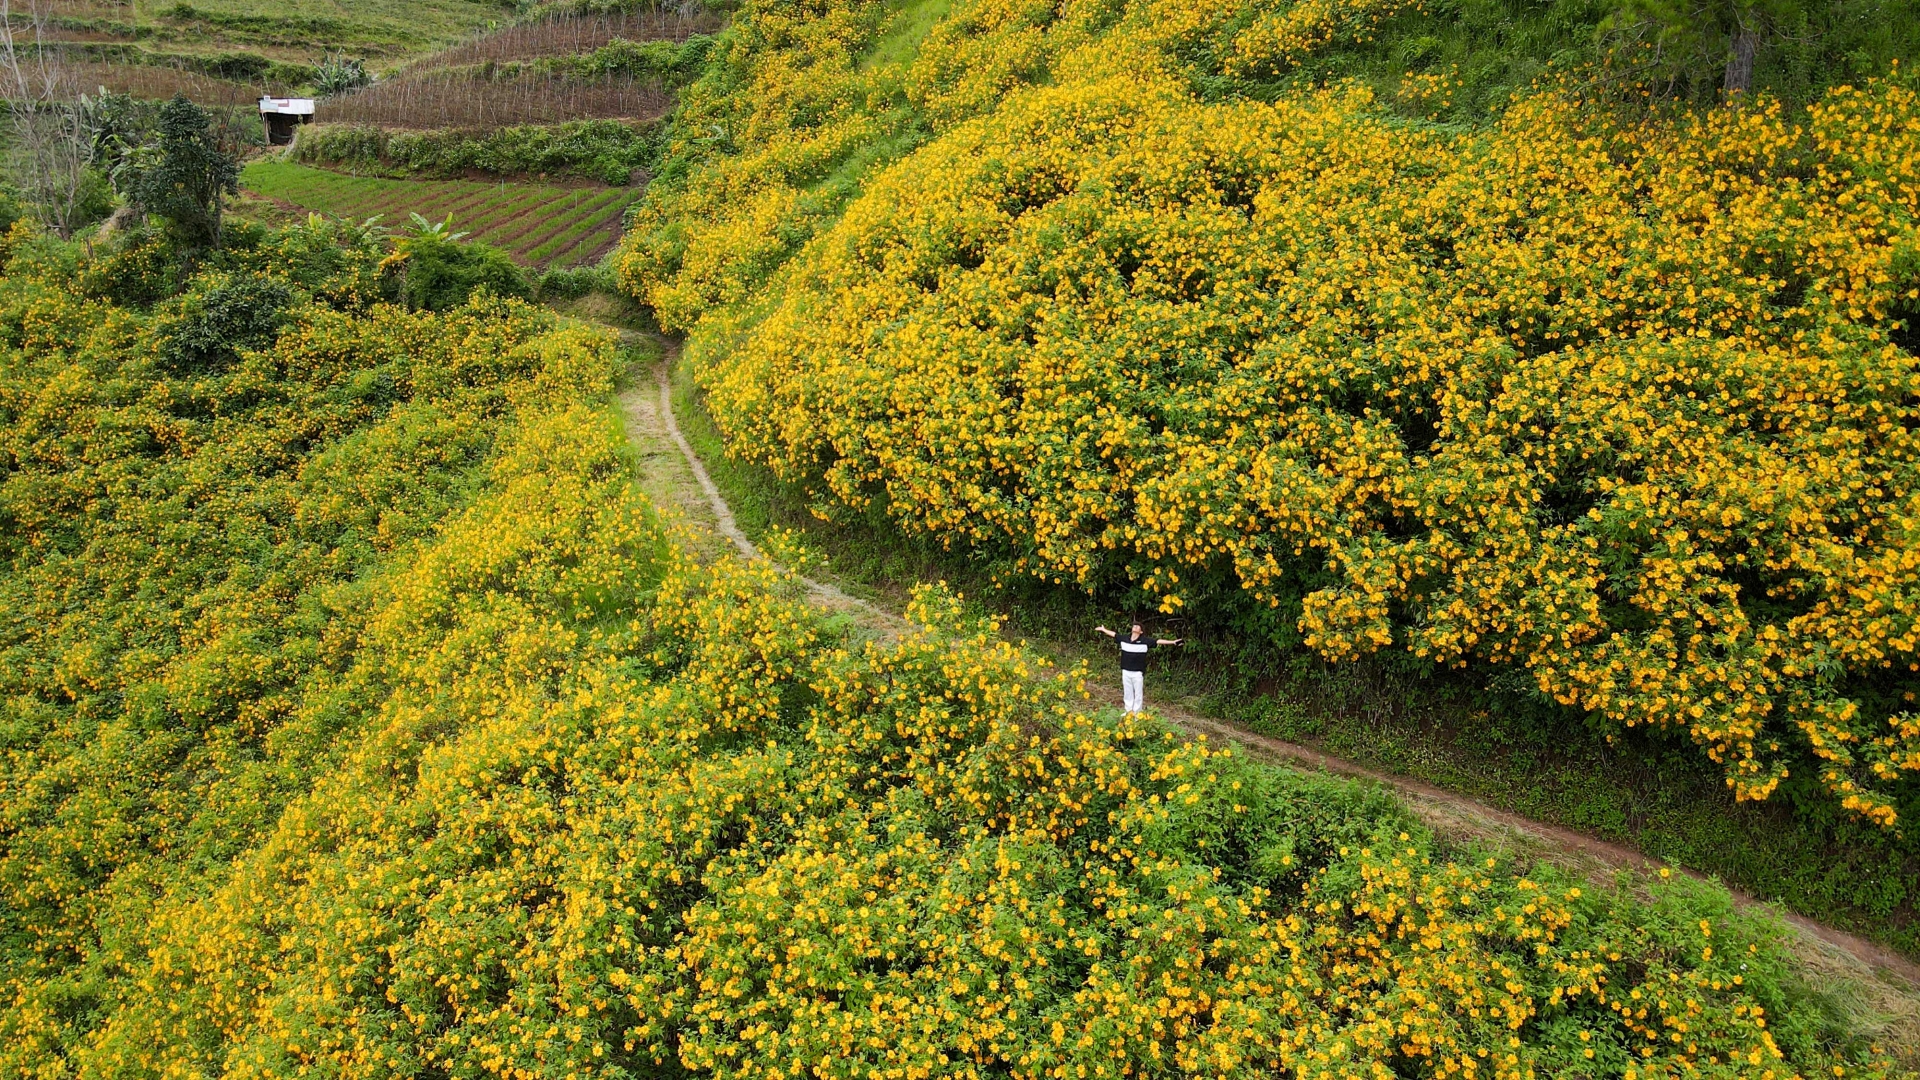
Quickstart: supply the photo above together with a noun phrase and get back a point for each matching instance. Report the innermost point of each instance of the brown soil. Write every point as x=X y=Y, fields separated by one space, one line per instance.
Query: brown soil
x=612 y=241
x=529 y=237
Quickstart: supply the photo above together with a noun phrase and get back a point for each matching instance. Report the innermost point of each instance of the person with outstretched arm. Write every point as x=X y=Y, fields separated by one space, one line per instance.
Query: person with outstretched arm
x=1133 y=664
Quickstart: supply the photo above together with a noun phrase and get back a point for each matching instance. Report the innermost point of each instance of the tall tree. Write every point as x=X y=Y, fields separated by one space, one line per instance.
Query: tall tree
x=183 y=174
x=1701 y=41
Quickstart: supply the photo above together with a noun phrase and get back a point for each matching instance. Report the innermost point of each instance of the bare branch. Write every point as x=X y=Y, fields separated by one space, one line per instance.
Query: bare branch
x=52 y=139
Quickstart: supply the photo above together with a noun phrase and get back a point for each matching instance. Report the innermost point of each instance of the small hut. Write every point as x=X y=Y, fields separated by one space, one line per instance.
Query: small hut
x=282 y=115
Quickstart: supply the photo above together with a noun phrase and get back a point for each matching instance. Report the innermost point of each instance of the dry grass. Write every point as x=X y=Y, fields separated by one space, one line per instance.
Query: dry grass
x=88 y=9
x=454 y=88
x=569 y=35
x=462 y=98
x=161 y=82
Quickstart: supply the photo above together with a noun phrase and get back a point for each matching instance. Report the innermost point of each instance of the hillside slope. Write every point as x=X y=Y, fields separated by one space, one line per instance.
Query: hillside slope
x=1620 y=397
x=364 y=719
x=228 y=52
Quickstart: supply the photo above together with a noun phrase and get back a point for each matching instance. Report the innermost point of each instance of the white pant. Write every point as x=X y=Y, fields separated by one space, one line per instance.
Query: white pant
x=1133 y=689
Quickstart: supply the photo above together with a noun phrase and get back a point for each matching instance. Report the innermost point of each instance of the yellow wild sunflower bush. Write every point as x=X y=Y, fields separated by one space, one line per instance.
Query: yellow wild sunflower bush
x=199 y=494
x=1622 y=400
x=801 y=99
x=619 y=814
x=363 y=719
x=783 y=106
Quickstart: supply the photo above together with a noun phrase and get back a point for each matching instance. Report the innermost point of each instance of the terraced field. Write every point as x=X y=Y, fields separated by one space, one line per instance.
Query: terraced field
x=382 y=31
x=539 y=225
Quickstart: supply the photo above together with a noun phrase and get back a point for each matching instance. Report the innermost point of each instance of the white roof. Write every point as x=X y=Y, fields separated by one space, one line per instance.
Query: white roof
x=287 y=106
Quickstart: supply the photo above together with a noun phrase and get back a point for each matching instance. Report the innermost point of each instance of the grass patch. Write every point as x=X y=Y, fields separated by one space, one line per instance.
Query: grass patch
x=492 y=216
x=565 y=238
x=611 y=309
x=231 y=51
x=381 y=27
x=587 y=250
x=901 y=40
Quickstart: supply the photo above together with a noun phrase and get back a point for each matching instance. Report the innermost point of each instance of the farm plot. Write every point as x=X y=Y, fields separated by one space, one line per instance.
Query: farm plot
x=538 y=224
x=469 y=98
x=564 y=36
x=160 y=83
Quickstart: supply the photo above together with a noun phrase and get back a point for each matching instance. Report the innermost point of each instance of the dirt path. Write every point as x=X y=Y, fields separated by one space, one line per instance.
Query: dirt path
x=1458 y=816
x=684 y=485
x=1881 y=983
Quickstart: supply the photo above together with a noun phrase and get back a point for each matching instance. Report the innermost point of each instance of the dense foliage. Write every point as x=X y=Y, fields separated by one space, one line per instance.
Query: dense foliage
x=338 y=73
x=364 y=719
x=609 y=151
x=183 y=175
x=434 y=270
x=1622 y=398
x=668 y=61
x=611 y=821
x=197 y=501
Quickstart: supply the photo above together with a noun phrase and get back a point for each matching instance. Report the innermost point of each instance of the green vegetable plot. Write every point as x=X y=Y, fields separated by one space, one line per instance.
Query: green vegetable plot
x=539 y=225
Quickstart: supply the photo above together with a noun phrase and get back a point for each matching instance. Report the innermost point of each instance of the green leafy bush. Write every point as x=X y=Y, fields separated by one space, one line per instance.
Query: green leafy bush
x=11 y=210
x=354 y=147
x=574 y=282
x=338 y=74
x=673 y=63
x=182 y=176
x=220 y=317
x=609 y=151
x=439 y=273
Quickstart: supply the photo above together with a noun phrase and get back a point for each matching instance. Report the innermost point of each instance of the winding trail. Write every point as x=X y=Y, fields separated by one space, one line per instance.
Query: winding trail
x=722 y=513
x=1885 y=983
x=650 y=422
x=1452 y=814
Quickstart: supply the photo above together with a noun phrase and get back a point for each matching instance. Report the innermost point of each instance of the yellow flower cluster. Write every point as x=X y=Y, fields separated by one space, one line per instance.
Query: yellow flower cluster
x=771 y=144
x=1620 y=400
x=1278 y=40
x=785 y=105
x=457 y=763
x=701 y=835
x=195 y=525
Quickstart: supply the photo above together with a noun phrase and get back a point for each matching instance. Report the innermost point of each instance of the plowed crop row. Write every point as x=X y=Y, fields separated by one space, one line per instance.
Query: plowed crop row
x=539 y=225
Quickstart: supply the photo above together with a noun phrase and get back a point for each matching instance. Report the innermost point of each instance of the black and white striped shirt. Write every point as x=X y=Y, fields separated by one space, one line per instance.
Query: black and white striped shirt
x=1133 y=654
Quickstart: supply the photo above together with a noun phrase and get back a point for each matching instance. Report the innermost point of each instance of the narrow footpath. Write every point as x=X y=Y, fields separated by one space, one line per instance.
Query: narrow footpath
x=680 y=480
x=674 y=476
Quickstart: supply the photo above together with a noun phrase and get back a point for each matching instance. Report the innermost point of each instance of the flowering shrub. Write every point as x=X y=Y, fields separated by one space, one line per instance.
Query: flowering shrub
x=686 y=831
x=768 y=146
x=197 y=504
x=1624 y=402
x=1279 y=39
x=364 y=719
